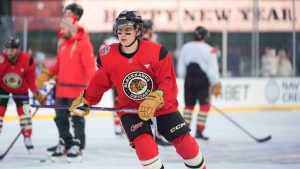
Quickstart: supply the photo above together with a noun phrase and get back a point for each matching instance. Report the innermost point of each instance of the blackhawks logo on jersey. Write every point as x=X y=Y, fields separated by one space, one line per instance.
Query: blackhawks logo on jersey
x=12 y=80
x=137 y=85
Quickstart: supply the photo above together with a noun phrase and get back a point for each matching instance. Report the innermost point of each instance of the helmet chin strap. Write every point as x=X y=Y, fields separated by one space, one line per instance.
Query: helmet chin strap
x=131 y=43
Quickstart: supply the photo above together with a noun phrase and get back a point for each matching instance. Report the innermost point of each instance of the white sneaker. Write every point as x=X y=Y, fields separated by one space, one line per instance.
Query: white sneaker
x=28 y=143
x=74 y=153
x=60 y=151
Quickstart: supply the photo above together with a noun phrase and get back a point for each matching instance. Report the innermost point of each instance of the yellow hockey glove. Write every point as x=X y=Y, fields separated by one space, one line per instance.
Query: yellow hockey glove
x=151 y=103
x=217 y=89
x=43 y=77
x=40 y=97
x=80 y=107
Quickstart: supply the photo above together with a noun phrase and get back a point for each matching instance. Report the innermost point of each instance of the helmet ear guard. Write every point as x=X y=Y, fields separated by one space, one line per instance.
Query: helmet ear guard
x=129 y=18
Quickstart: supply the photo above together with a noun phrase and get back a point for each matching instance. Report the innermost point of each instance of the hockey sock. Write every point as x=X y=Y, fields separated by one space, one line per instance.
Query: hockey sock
x=2 y=113
x=116 y=120
x=147 y=151
x=25 y=122
x=187 y=114
x=202 y=116
x=187 y=147
x=118 y=129
x=197 y=162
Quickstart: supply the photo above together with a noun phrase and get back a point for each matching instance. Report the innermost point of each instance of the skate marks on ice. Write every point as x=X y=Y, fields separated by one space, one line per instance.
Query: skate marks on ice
x=230 y=146
x=227 y=147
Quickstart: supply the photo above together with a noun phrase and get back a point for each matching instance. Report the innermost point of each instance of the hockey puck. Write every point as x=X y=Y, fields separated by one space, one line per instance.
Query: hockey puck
x=42 y=161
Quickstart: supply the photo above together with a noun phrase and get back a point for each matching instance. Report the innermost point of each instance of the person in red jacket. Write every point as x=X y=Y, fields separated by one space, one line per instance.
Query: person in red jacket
x=17 y=74
x=144 y=75
x=75 y=65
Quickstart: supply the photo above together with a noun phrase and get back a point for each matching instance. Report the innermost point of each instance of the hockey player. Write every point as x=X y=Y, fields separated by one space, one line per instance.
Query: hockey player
x=143 y=73
x=17 y=74
x=74 y=67
x=199 y=66
x=148 y=30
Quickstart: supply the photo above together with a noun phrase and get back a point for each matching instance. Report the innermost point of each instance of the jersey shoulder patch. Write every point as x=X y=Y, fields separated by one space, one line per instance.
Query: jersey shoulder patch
x=103 y=51
x=2 y=58
x=214 y=51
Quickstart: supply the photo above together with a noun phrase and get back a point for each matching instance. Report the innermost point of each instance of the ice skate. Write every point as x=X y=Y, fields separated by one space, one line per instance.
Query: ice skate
x=28 y=143
x=199 y=135
x=51 y=150
x=118 y=130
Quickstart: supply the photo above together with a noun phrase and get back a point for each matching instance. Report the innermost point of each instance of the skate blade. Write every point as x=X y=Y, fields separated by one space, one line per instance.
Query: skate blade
x=58 y=159
x=49 y=153
x=77 y=159
x=29 y=148
x=30 y=151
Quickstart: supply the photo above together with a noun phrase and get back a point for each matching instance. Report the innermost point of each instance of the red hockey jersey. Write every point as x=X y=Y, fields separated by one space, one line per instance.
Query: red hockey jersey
x=151 y=68
x=19 y=77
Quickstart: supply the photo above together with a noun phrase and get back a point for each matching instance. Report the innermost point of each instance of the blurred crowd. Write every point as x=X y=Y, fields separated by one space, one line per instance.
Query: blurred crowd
x=275 y=64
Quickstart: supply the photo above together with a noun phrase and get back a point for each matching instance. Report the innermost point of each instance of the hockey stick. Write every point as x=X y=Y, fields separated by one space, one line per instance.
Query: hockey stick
x=159 y=139
x=14 y=141
x=15 y=97
x=65 y=107
x=260 y=140
x=18 y=135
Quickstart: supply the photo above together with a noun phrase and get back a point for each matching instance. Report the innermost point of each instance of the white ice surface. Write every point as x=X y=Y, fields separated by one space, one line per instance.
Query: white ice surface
x=228 y=147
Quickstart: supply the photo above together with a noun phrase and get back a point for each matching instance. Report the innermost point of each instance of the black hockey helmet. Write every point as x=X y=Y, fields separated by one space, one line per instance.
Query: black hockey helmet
x=201 y=33
x=12 y=42
x=129 y=18
x=76 y=9
x=147 y=24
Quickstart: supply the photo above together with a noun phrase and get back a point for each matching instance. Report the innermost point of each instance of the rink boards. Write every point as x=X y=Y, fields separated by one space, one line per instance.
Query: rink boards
x=238 y=95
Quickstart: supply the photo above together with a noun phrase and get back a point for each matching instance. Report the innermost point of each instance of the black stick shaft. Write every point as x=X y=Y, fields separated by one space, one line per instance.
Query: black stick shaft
x=240 y=127
x=65 y=107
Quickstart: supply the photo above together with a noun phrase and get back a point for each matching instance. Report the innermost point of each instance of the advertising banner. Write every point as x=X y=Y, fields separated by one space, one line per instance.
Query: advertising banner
x=185 y=15
x=254 y=94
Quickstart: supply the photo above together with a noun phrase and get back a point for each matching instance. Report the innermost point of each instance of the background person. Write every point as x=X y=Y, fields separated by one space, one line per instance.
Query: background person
x=74 y=67
x=198 y=66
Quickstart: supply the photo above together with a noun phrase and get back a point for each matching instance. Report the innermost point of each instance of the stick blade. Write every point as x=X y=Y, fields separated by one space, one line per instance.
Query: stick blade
x=2 y=156
x=264 y=139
